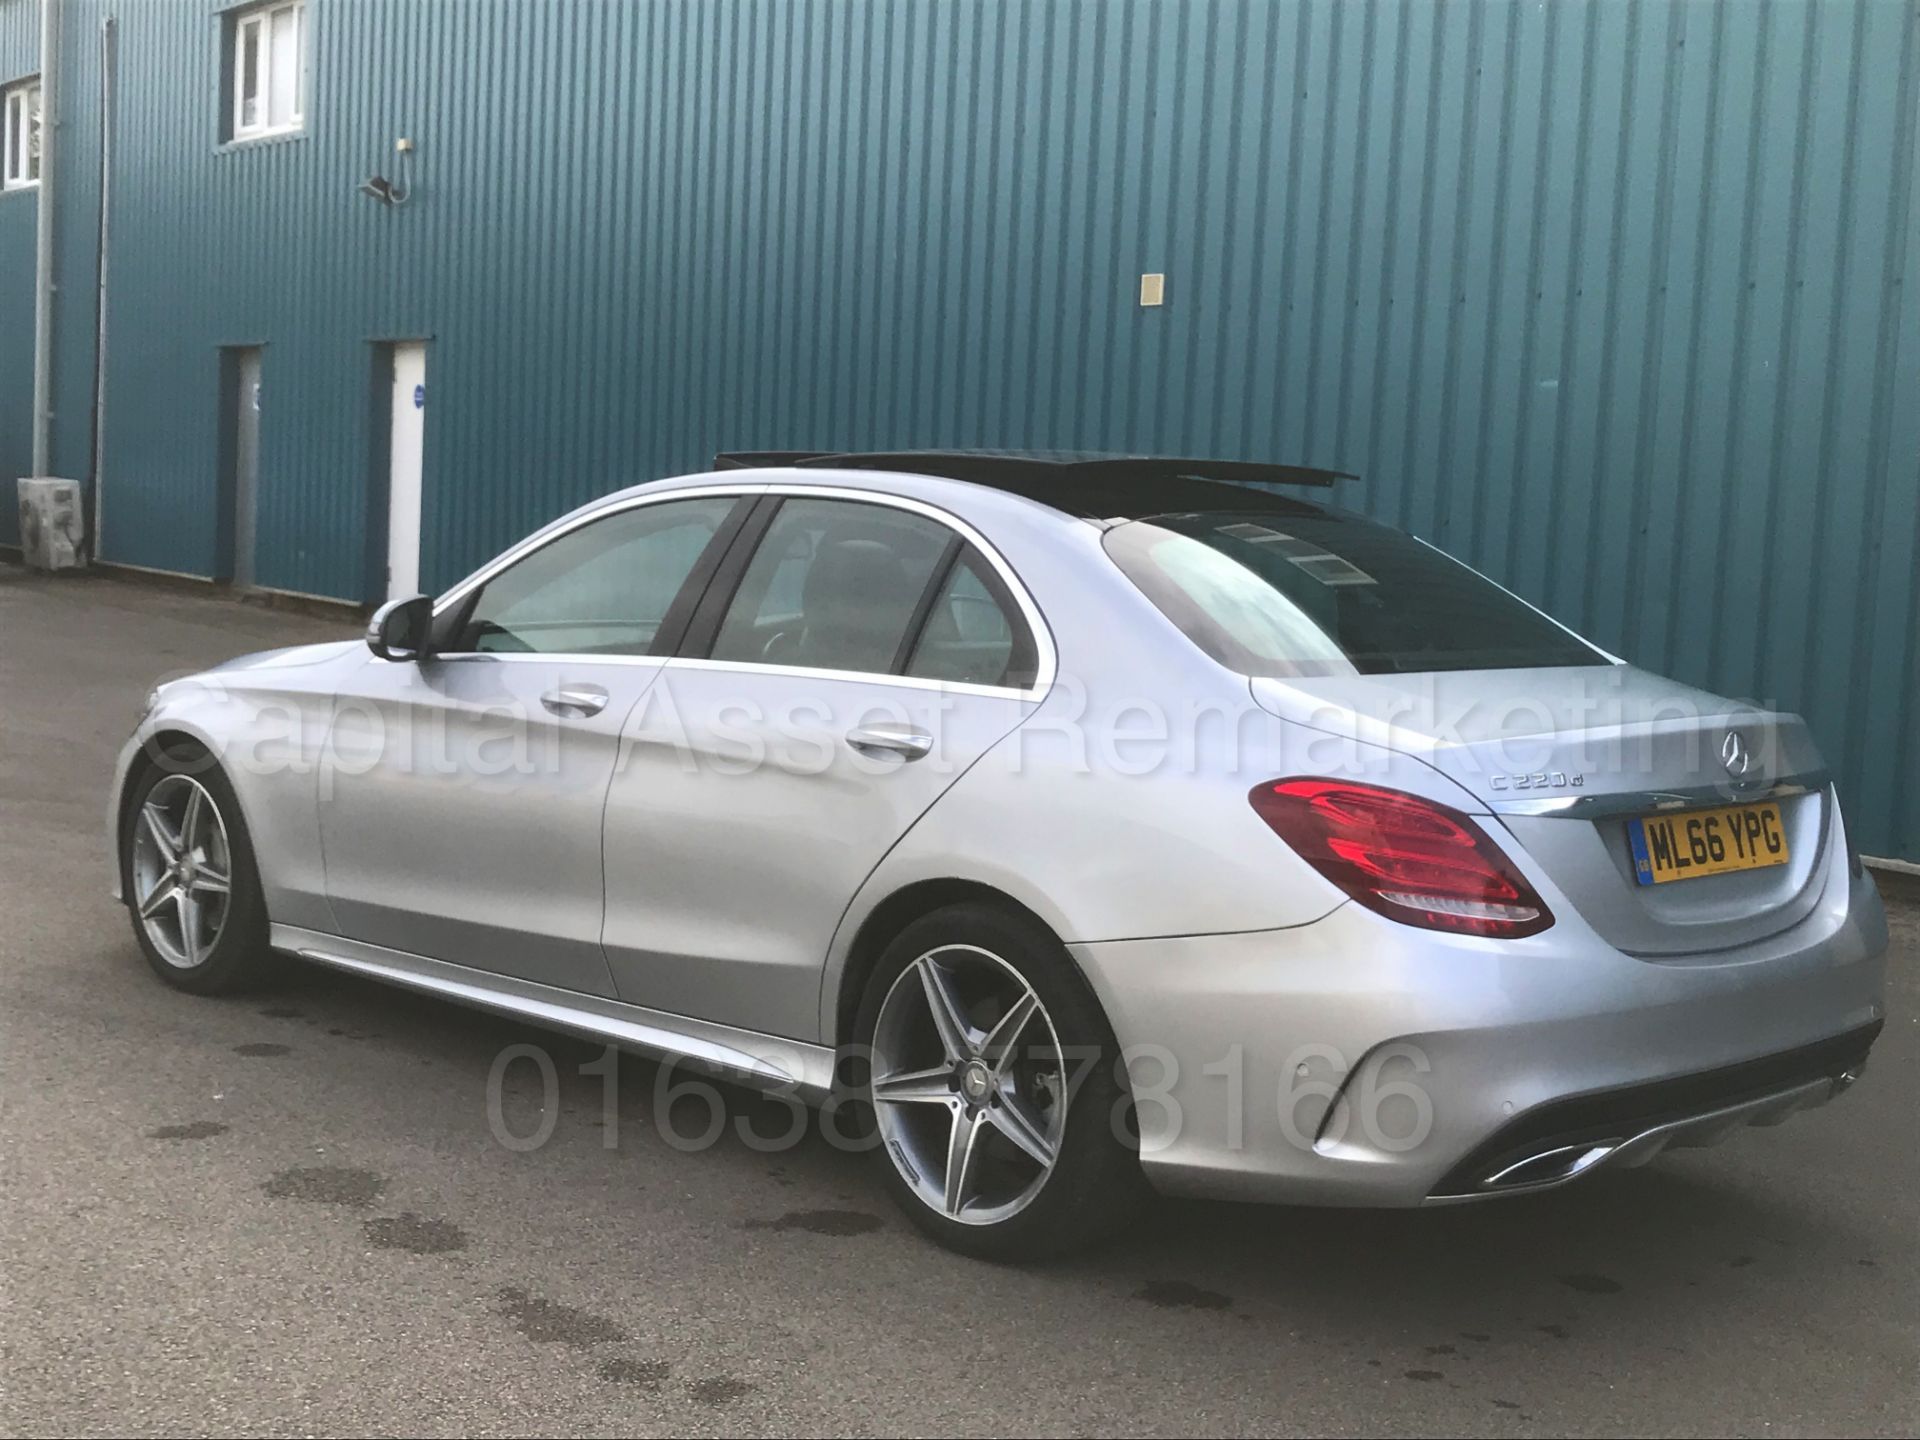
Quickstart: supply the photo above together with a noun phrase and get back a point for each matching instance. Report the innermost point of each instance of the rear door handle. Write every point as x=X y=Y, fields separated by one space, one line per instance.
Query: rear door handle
x=580 y=700
x=882 y=740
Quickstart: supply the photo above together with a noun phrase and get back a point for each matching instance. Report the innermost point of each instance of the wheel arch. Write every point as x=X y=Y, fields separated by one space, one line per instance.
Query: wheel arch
x=193 y=753
x=155 y=749
x=877 y=928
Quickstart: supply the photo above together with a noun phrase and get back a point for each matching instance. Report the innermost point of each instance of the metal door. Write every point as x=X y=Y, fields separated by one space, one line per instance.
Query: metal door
x=406 y=445
x=246 y=464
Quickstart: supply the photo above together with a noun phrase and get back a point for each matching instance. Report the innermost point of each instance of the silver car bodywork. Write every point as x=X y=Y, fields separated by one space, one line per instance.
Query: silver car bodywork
x=622 y=871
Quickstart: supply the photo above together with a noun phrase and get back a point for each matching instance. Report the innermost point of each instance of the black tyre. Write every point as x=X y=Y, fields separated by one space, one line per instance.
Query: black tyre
x=188 y=874
x=993 y=1083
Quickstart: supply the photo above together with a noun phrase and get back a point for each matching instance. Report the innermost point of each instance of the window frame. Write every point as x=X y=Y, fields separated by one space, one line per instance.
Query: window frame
x=718 y=572
x=19 y=103
x=1022 y=656
x=1033 y=663
x=452 y=612
x=259 y=18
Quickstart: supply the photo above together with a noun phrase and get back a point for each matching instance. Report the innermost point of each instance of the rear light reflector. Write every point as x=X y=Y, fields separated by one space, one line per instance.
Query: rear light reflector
x=1404 y=857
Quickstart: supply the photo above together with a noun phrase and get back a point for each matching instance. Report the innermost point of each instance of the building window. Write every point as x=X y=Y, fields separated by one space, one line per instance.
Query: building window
x=20 y=132
x=269 y=69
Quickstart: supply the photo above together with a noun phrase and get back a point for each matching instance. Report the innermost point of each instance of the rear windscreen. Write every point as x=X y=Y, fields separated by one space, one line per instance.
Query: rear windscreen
x=1327 y=594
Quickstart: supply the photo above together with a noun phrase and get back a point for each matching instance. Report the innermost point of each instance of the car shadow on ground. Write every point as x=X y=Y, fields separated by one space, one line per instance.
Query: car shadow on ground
x=1661 y=1250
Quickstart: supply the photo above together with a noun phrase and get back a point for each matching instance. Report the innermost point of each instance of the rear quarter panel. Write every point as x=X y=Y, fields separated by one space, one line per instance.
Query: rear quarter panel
x=1118 y=809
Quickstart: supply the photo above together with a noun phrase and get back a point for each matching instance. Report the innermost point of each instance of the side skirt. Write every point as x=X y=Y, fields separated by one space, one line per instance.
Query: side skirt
x=764 y=1061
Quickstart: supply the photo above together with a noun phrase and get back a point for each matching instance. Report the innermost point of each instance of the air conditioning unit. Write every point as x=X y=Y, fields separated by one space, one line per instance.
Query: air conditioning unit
x=52 y=524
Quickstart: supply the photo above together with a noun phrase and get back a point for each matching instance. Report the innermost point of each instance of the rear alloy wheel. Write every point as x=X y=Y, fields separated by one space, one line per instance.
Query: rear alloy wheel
x=188 y=876
x=989 y=1139
x=975 y=1113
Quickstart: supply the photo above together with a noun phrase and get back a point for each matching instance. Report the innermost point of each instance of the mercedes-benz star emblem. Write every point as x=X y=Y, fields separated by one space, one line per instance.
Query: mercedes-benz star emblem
x=975 y=1081
x=1735 y=755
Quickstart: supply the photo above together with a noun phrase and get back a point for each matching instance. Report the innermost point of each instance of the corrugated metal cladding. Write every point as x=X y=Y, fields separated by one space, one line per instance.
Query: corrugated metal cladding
x=19 y=55
x=1615 y=299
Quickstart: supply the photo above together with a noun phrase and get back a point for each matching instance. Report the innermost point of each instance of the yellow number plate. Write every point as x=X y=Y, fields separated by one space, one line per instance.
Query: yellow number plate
x=1690 y=843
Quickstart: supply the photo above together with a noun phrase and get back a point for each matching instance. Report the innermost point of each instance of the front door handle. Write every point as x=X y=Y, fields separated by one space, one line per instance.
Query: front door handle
x=883 y=740
x=580 y=700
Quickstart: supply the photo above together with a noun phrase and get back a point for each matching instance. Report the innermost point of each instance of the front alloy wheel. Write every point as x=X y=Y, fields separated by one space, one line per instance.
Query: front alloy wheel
x=182 y=870
x=189 y=878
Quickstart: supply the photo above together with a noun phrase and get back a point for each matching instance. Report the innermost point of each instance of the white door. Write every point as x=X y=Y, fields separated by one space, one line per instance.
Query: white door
x=246 y=465
x=406 y=432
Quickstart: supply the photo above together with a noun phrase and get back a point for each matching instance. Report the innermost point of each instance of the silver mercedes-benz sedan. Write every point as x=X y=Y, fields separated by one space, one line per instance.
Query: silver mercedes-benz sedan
x=1067 y=826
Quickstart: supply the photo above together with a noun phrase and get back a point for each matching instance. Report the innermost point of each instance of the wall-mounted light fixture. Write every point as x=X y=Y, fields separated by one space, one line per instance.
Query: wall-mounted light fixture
x=387 y=192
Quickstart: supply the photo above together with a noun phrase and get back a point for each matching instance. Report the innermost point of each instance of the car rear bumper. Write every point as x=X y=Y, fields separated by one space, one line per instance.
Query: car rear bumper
x=1562 y=1140
x=1355 y=1061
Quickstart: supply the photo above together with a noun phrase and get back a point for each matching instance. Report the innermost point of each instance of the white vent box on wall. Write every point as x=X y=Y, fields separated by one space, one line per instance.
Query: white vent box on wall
x=52 y=524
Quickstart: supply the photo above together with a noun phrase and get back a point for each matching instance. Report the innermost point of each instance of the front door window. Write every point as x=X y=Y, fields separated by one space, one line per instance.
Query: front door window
x=603 y=589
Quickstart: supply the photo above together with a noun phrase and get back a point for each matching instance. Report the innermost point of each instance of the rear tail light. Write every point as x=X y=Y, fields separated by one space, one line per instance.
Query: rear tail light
x=1409 y=859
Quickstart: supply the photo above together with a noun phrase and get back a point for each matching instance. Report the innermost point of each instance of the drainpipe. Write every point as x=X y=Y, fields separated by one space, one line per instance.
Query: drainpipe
x=107 y=66
x=43 y=249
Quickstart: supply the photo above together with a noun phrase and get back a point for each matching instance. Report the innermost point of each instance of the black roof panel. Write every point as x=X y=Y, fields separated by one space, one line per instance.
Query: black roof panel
x=1084 y=483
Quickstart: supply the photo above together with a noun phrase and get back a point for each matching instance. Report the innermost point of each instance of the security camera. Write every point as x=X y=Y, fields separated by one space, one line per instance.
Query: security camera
x=377 y=187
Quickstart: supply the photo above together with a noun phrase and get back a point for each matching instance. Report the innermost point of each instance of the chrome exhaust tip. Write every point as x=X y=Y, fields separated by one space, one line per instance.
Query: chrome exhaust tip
x=1551 y=1167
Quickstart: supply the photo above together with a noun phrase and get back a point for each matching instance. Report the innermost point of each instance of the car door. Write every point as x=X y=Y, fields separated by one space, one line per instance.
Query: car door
x=461 y=802
x=853 y=656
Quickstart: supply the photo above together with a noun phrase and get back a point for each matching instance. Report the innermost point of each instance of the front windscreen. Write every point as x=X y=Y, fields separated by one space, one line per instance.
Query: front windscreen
x=1319 y=593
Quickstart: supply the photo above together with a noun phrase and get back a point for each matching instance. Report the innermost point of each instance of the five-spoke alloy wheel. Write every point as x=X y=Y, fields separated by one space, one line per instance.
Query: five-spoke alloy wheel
x=182 y=869
x=188 y=876
x=994 y=1087
x=969 y=1084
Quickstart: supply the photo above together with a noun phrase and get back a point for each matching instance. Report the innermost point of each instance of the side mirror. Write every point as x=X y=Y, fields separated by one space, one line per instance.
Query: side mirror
x=399 y=628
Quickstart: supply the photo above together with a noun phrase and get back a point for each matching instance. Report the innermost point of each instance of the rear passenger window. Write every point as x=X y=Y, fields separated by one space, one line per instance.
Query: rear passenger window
x=968 y=637
x=833 y=585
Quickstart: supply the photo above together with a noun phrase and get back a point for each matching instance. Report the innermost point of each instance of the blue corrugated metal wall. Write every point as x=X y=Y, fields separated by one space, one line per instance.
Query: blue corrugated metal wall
x=1615 y=299
x=19 y=56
